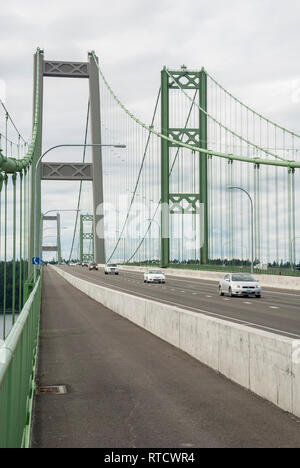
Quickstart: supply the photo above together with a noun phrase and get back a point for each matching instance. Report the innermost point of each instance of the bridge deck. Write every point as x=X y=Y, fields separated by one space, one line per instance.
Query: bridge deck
x=127 y=388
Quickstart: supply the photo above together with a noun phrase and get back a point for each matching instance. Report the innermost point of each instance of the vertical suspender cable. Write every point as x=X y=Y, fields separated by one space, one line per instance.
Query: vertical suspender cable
x=5 y=257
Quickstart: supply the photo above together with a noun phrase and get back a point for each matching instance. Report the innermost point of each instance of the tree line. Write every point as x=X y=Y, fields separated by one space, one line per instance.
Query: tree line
x=9 y=285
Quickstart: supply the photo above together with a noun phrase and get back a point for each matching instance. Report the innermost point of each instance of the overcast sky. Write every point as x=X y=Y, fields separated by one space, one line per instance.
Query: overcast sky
x=251 y=47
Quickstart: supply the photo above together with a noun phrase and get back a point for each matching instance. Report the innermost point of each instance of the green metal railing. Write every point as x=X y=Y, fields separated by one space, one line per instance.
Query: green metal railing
x=17 y=374
x=19 y=296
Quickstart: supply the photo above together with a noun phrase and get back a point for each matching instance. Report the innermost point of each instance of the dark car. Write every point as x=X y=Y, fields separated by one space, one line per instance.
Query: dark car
x=93 y=266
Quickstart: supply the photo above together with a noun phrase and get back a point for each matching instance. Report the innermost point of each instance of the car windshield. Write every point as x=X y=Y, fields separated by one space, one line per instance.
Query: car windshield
x=112 y=265
x=243 y=277
x=155 y=272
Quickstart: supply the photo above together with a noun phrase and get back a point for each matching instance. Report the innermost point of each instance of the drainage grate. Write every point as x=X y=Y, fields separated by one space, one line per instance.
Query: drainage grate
x=54 y=390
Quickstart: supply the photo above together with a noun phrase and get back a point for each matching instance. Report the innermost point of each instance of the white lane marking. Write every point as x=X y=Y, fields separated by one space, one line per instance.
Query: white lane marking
x=273 y=307
x=194 y=309
x=226 y=299
x=282 y=293
x=208 y=296
x=213 y=282
x=194 y=294
x=247 y=302
x=210 y=283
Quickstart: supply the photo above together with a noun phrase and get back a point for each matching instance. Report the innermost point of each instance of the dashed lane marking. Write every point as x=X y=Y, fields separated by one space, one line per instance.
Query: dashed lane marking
x=194 y=309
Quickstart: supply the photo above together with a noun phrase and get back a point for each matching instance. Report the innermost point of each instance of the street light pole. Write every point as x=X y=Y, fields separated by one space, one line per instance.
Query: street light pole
x=252 y=222
x=37 y=215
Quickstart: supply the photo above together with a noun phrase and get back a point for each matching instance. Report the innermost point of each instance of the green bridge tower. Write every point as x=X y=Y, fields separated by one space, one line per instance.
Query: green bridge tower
x=173 y=80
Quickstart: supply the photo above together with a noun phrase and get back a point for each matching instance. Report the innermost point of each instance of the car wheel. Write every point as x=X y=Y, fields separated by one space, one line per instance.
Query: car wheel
x=220 y=291
x=258 y=296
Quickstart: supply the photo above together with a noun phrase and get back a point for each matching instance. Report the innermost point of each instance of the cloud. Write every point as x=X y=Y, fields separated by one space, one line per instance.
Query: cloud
x=250 y=47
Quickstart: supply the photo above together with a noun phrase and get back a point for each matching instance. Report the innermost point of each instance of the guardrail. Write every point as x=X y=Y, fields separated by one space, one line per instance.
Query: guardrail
x=17 y=374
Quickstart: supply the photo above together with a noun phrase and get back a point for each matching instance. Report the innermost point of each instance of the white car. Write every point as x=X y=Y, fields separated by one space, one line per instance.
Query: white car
x=239 y=284
x=154 y=276
x=111 y=269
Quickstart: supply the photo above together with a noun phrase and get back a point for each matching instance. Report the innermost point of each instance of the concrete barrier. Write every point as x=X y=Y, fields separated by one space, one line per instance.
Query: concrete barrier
x=265 y=363
x=269 y=281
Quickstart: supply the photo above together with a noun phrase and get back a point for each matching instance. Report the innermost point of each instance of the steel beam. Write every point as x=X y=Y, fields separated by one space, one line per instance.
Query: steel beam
x=49 y=248
x=66 y=171
x=65 y=69
x=49 y=218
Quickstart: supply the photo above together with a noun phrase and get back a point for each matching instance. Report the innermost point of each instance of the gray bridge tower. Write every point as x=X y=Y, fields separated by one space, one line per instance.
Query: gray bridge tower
x=73 y=171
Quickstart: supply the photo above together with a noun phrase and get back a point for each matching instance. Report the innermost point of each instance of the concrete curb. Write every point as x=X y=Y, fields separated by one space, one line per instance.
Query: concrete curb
x=259 y=361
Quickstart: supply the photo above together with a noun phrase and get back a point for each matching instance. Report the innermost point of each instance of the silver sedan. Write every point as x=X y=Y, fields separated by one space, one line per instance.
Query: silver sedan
x=239 y=284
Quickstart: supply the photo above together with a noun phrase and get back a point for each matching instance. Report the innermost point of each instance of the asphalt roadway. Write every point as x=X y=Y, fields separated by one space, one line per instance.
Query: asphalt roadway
x=127 y=388
x=278 y=311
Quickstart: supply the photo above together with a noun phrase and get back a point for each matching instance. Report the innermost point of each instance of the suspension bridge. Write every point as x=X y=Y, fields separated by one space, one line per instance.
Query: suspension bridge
x=171 y=190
